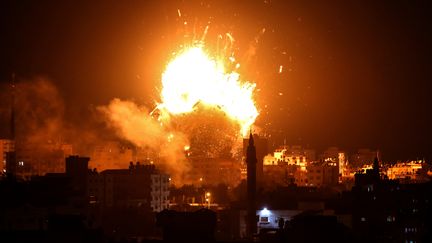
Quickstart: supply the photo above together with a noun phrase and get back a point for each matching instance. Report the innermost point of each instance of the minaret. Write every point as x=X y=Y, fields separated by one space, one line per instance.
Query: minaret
x=375 y=166
x=251 y=162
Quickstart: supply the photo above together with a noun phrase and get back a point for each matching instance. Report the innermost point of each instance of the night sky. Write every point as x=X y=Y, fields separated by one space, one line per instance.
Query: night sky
x=356 y=74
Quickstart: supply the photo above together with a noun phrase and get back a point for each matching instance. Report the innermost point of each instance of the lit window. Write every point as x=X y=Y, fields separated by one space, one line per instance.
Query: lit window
x=363 y=219
x=264 y=219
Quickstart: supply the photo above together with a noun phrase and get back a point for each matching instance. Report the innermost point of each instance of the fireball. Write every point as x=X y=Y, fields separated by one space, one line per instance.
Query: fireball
x=194 y=77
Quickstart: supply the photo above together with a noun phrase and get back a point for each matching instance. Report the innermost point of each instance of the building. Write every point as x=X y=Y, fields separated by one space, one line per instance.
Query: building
x=286 y=165
x=77 y=171
x=291 y=155
x=385 y=210
x=281 y=174
x=318 y=174
x=198 y=226
x=38 y=159
x=137 y=186
x=338 y=157
x=406 y=171
x=159 y=192
x=6 y=145
x=214 y=171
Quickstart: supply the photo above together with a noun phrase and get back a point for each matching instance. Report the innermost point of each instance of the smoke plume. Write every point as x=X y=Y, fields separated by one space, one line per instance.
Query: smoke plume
x=135 y=124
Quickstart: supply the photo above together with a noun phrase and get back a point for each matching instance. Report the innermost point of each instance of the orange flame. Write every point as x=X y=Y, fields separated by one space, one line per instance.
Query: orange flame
x=194 y=77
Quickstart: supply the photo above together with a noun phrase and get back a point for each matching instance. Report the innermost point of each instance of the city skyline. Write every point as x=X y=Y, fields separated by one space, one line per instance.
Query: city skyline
x=215 y=121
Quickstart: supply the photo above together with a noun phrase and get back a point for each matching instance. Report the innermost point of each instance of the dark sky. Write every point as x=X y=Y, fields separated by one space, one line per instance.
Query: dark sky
x=355 y=73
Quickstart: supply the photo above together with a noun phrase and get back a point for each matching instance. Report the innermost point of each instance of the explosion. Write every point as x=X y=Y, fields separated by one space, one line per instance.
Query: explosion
x=204 y=112
x=193 y=77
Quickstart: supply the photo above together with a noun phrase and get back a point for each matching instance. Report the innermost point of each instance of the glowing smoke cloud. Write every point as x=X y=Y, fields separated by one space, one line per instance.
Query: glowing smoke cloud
x=134 y=124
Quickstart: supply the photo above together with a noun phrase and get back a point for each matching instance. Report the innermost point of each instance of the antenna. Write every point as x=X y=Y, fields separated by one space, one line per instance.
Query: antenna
x=12 y=117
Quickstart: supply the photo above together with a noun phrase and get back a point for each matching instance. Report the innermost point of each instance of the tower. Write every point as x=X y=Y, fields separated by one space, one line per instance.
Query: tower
x=10 y=157
x=261 y=150
x=12 y=117
x=375 y=166
x=251 y=162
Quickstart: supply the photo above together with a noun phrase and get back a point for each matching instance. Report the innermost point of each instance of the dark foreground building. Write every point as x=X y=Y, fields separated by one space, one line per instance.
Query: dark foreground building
x=196 y=226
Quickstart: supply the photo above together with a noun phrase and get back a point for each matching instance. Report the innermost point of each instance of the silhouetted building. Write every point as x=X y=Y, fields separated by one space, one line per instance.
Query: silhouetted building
x=251 y=161
x=76 y=169
x=308 y=227
x=369 y=179
x=196 y=226
x=387 y=211
x=138 y=186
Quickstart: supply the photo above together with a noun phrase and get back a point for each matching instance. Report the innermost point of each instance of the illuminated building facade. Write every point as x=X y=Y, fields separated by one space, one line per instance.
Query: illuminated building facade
x=159 y=192
x=214 y=171
x=291 y=155
x=405 y=171
x=318 y=174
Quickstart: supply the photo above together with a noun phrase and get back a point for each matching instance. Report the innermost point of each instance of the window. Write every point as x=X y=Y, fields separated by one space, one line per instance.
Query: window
x=264 y=219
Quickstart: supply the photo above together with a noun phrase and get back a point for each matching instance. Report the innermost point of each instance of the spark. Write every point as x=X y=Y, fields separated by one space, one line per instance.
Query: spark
x=179 y=13
x=280 y=69
x=230 y=37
